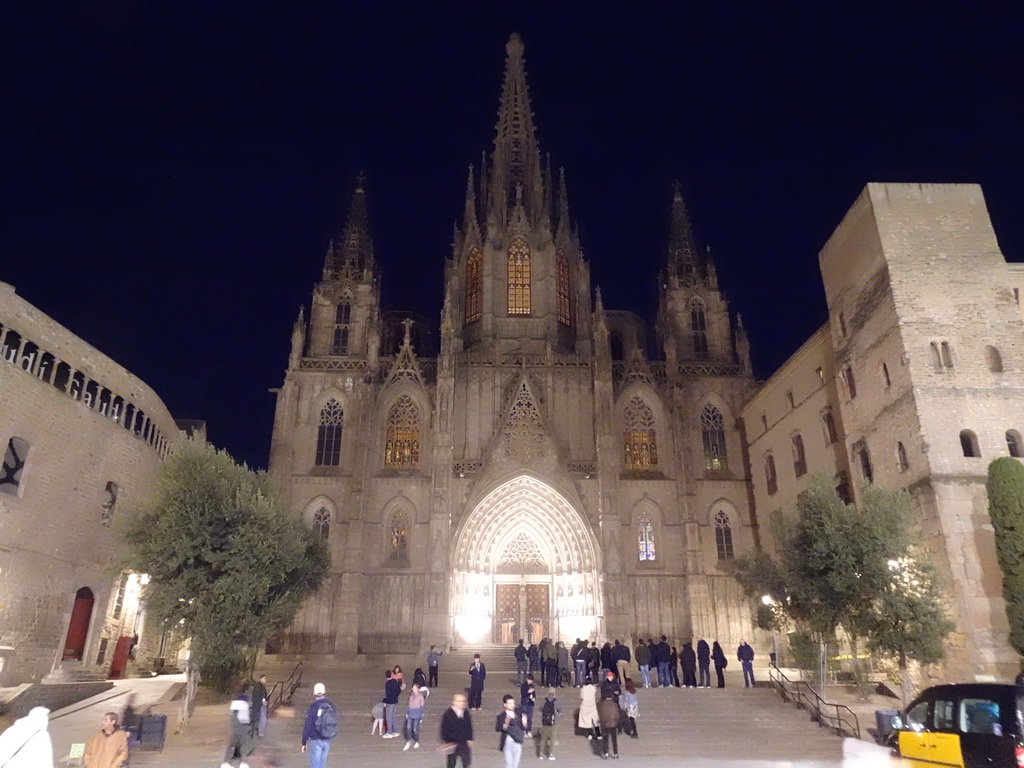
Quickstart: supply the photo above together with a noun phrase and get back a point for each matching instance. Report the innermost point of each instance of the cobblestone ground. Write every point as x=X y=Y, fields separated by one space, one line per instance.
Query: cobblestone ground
x=678 y=727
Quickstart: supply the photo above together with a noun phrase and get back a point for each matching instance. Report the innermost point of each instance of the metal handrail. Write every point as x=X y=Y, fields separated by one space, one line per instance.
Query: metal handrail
x=838 y=717
x=285 y=689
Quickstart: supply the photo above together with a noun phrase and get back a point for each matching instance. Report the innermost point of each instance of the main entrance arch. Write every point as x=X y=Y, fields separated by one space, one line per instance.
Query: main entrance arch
x=525 y=564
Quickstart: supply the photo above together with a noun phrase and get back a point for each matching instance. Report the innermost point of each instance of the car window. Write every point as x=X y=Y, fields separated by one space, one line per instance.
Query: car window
x=944 y=715
x=980 y=716
x=917 y=717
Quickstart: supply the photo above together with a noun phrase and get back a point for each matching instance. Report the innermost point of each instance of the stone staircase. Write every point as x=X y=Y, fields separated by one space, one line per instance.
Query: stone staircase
x=496 y=657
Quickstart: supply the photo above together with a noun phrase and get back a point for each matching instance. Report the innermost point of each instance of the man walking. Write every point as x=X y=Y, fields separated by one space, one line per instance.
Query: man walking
x=433 y=662
x=703 y=664
x=477 y=675
x=319 y=728
x=745 y=654
x=522 y=662
x=109 y=747
x=457 y=733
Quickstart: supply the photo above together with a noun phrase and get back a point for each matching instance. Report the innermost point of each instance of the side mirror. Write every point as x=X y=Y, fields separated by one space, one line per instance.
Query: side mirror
x=896 y=722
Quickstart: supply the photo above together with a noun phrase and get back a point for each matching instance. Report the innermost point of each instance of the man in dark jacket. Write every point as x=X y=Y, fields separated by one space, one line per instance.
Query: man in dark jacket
x=477 y=675
x=703 y=663
x=610 y=688
x=457 y=732
x=745 y=654
x=527 y=701
x=534 y=653
x=392 y=688
x=664 y=652
x=643 y=660
x=522 y=662
x=621 y=657
x=563 y=663
x=258 y=707
x=579 y=659
x=319 y=712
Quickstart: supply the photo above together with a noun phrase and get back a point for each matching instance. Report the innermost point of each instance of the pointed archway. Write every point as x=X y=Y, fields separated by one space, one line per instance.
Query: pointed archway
x=523 y=550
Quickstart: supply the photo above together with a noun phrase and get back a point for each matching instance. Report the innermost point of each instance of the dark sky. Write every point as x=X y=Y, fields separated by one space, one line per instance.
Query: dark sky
x=172 y=171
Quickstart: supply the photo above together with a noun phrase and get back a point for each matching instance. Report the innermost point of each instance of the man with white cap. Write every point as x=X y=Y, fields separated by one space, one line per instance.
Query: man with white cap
x=320 y=727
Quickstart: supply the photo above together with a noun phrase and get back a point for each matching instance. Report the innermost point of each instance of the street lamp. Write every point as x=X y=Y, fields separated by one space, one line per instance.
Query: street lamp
x=769 y=603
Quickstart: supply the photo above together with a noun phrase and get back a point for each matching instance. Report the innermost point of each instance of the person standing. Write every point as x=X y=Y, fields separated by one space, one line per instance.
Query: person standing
x=718 y=656
x=392 y=688
x=522 y=662
x=528 y=700
x=703 y=663
x=477 y=675
x=535 y=661
x=563 y=664
x=608 y=714
x=413 y=717
x=643 y=660
x=320 y=727
x=550 y=663
x=26 y=743
x=622 y=658
x=511 y=722
x=579 y=658
x=549 y=713
x=745 y=654
x=457 y=732
x=630 y=705
x=239 y=739
x=433 y=664
x=109 y=747
x=689 y=664
x=673 y=666
x=258 y=706
x=663 y=653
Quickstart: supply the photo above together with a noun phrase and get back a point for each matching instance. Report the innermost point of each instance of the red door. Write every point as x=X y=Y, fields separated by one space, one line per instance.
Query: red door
x=120 y=662
x=78 y=629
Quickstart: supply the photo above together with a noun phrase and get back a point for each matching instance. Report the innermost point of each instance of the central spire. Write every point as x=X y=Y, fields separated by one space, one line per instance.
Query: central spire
x=516 y=154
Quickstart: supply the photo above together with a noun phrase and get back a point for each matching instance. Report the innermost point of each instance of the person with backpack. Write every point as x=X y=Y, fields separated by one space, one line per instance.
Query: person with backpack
x=511 y=724
x=320 y=727
x=549 y=713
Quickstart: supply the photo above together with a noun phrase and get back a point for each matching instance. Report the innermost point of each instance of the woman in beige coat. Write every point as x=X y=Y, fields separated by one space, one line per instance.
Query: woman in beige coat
x=588 y=711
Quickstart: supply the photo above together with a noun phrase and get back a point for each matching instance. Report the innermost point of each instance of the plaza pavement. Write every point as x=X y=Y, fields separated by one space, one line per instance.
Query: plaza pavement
x=692 y=728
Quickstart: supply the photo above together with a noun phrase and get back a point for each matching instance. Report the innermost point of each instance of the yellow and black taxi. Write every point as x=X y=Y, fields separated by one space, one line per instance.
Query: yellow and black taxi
x=968 y=725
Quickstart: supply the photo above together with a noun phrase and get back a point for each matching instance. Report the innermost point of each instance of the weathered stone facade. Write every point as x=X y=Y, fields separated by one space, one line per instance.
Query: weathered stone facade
x=83 y=439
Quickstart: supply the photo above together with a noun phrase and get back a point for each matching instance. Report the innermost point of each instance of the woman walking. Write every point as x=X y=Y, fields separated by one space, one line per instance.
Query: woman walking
x=630 y=704
x=587 y=720
x=718 y=657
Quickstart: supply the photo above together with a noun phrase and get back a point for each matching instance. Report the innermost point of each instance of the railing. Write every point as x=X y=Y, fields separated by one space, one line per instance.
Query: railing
x=283 y=691
x=836 y=717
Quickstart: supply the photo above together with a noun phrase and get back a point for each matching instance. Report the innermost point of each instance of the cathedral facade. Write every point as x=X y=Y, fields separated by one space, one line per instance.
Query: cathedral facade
x=552 y=468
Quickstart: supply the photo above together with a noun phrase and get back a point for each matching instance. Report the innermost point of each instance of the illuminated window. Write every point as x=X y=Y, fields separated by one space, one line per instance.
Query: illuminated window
x=562 y=288
x=723 y=536
x=322 y=522
x=518 y=277
x=712 y=427
x=474 y=286
x=402 y=441
x=328 y=436
x=699 y=326
x=639 y=445
x=645 y=537
x=398 y=538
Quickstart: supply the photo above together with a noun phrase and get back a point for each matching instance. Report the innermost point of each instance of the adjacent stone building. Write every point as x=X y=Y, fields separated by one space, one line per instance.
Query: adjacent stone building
x=82 y=439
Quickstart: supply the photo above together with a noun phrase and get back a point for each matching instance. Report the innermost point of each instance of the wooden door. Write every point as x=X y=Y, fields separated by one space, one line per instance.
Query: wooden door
x=506 y=612
x=538 y=611
x=78 y=627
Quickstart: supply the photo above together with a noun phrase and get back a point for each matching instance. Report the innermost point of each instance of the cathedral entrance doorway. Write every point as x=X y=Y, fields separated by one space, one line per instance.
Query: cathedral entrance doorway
x=525 y=566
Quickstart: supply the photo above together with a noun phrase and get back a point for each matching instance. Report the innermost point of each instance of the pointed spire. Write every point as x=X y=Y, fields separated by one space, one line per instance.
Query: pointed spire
x=684 y=260
x=470 y=223
x=564 y=222
x=598 y=303
x=355 y=252
x=329 y=261
x=516 y=154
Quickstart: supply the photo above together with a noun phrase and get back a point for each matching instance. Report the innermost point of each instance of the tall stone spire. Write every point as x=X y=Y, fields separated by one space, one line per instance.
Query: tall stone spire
x=470 y=223
x=516 y=154
x=564 y=224
x=685 y=262
x=354 y=254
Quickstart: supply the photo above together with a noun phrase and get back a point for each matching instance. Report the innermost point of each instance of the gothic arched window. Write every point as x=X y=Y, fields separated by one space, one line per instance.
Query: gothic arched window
x=712 y=427
x=398 y=537
x=328 y=435
x=562 y=288
x=1013 y=443
x=638 y=441
x=699 y=326
x=402 y=438
x=322 y=522
x=901 y=457
x=342 y=318
x=723 y=536
x=645 y=537
x=474 y=286
x=519 y=277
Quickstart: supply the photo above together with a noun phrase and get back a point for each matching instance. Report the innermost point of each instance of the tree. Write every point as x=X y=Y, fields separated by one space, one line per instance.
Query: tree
x=228 y=565
x=1005 y=487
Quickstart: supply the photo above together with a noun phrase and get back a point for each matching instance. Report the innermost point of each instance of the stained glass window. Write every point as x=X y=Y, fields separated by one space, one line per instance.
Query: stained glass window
x=723 y=536
x=328 y=436
x=562 y=286
x=398 y=541
x=639 y=444
x=402 y=439
x=645 y=537
x=699 y=326
x=322 y=522
x=518 y=277
x=712 y=427
x=474 y=286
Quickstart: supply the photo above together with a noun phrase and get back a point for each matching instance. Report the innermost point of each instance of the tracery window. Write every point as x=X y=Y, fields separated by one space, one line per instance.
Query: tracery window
x=342 y=318
x=699 y=326
x=402 y=438
x=474 y=286
x=639 y=444
x=712 y=426
x=322 y=522
x=645 y=537
x=398 y=537
x=562 y=288
x=328 y=436
x=723 y=536
x=519 y=277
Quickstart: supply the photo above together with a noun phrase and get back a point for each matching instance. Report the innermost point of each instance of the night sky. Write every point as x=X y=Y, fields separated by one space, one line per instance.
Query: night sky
x=172 y=172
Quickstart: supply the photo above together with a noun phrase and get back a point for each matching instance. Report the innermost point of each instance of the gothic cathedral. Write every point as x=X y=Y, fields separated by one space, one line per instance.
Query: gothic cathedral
x=551 y=468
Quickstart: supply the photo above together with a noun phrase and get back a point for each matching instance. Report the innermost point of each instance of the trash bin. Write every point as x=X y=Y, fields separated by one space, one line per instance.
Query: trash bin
x=883 y=724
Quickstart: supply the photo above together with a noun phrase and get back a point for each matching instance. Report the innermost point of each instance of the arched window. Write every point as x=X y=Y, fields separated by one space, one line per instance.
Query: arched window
x=969 y=444
x=712 y=427
x=1013 y=444
x=828 y=422
x=398 y=537
x=342 y=318
x=322 y=522
x=860 y=450
x=402 y=438
x=723 y=536
x=518 y=277
x=638 y=440
x=645 y=537
x=799 y=456
x=936 y=356
x=901 y=458
x=770 y=476
x=994 y=359
x=947 y=355
x=474 y=286
x=851 y=384
x=699 y=326
x=328 y=435
x=562 y=288
x=15 y=459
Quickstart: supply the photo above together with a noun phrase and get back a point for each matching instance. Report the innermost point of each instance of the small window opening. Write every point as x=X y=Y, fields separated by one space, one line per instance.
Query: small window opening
x=799 y=456
x=885 y=375
x=947 y=356
x=969 y=444
x=771 y=478
x=851 y=385
x=842 y=325
x=994 y=359
x=789 y=400
x=901 y=458
x=1013 y=443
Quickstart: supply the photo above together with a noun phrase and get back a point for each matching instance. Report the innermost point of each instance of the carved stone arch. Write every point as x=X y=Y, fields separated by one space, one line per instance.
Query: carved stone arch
x=321 y=514
x=398 y=521
x=322 y=398
x=729 y=507
x=646 y=524
x=724 y=520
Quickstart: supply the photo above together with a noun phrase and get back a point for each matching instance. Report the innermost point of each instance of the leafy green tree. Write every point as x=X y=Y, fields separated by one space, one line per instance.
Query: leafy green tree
x=228 y=564
x=1005 y=487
